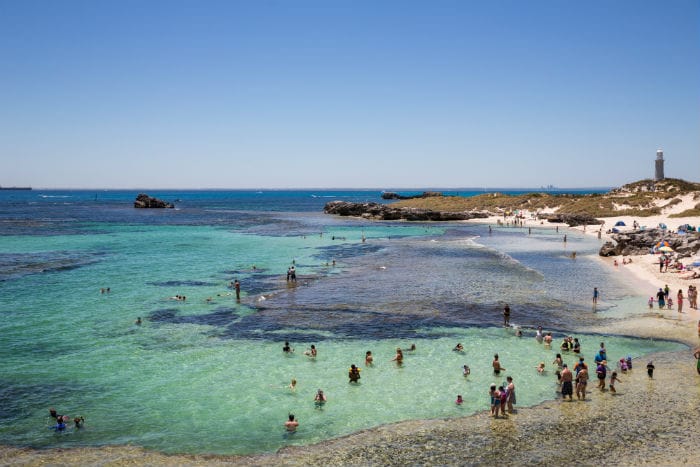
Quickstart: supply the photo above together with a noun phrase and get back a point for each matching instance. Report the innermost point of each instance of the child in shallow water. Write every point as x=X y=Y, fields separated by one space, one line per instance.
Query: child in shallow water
x=459 y=399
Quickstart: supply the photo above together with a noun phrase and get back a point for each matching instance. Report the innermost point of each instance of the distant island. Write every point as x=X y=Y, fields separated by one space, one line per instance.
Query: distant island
x=15 y=188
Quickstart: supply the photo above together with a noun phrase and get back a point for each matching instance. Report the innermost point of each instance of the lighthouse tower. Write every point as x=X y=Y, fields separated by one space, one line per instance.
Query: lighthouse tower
x=659 y=174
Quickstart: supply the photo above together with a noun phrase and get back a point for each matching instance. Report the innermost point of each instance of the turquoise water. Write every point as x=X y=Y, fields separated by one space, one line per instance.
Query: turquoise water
x=209 y=376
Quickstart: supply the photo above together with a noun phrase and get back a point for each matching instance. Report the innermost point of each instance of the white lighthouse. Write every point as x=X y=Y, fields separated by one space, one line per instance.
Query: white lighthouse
x=659 y=174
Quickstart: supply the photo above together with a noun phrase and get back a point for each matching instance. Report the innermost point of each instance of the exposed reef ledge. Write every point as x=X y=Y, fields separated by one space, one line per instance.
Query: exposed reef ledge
x=388 y=213
x=147 y=202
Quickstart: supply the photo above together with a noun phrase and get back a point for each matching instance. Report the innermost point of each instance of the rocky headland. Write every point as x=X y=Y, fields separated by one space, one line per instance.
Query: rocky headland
x=143 y=201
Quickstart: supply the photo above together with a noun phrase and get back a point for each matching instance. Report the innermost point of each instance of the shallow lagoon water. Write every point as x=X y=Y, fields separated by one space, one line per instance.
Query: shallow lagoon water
x=210 y=377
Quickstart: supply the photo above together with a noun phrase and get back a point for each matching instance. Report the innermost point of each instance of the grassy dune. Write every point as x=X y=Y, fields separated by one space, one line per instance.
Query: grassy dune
x=634 y=199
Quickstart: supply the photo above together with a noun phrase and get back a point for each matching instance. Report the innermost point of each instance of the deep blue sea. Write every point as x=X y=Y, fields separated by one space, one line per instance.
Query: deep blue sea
x=208 y=375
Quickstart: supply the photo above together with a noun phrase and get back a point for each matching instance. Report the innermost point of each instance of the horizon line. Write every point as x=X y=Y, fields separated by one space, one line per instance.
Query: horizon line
x=328 y=188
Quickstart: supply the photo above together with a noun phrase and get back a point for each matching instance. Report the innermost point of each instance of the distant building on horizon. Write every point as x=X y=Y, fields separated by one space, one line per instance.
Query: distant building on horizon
x=659 y=174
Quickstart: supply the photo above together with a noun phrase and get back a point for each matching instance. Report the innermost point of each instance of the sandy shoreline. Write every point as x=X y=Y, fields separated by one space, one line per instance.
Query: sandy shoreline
x=649 y=422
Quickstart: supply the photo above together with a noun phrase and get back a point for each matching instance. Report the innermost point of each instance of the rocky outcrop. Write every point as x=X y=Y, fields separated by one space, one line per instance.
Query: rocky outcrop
x=641 y=242
x=571 y=219
x=425 y=194
x=147 y=202
x=387 y=212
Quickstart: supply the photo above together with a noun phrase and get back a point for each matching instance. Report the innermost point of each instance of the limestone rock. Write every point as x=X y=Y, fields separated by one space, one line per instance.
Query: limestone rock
x=572 y=220
x=146 y=202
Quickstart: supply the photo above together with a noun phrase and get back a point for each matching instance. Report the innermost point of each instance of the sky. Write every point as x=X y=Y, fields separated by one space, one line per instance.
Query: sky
x=347 y=94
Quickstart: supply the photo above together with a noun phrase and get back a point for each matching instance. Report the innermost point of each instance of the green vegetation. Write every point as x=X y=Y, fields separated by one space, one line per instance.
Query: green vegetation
x=639 y=199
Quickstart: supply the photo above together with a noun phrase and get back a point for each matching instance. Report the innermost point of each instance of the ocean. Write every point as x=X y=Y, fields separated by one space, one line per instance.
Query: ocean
x=208 y=375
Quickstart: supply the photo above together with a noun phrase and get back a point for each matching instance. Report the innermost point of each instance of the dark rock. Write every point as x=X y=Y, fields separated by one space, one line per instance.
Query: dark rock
x=425 y=194
x=641 y=242
x=608 y=249
x=387 y=212
x=571 y=219
x=145 y=201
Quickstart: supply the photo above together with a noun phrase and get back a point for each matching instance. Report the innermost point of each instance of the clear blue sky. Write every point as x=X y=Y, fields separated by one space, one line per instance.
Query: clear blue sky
x=380 y=94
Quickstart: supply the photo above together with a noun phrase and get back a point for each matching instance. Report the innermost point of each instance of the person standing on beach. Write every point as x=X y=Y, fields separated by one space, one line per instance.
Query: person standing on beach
x=506 y=316
x=679 y=300
x=581 y=383
x=495 y=400
x=650 y=369
x=661 y=298
x=697 y=353
x=510 y=394
x=602 y=373
x=567 y=388
x=596 y=294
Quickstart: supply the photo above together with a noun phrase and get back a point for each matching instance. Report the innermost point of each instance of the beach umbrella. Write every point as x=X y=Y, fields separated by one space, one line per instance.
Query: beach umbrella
x=620 y=224
x=662 y=226
x=666 y=249
x=661 y=244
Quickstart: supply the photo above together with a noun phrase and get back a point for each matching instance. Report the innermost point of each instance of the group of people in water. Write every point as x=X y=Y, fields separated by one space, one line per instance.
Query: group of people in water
x=61 y=422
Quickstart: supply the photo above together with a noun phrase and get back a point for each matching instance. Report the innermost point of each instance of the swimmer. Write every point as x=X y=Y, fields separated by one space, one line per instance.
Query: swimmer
x=354 y=374
x=412 y=348
x=518 y=332
x=540 y=368
x=458 y=348
x=138 y=321
x=398 y=358
x=311 y=353
x=548 y=340
x=287 y=348
x=538 y=336
x=291 y=424
x=79 y=421
x=459 y=400
x=369 y=360
x=466 y=371
x=320 y=398
x=60 y=425
x=497 y=368
x=293 y=385
x=53 y=414
x=558 y=361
